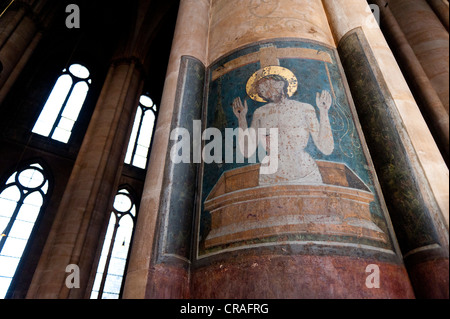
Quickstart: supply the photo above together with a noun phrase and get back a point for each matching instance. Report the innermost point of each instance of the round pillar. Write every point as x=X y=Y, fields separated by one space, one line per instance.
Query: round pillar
x=429 y=39
x=155 y=271
x=428 y=100
x=410 y=167
x=300 y=214
x=440 y=7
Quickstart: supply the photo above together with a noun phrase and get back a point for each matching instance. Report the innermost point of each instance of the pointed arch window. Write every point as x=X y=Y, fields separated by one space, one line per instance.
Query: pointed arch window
x=141 y=135
x=111 y=267
x=64 y=104
x=21 y=200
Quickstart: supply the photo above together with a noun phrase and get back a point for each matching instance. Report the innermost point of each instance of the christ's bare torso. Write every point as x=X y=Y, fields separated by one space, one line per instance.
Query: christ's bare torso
x=294 y=121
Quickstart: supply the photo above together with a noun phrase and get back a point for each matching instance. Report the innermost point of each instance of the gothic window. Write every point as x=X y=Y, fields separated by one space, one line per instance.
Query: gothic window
x=111 y=267
x=64 y=104
x=21 y=199
x=141 y=135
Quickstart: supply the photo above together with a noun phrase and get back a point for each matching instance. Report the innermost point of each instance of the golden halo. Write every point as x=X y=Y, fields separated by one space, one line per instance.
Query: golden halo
x=271 y=70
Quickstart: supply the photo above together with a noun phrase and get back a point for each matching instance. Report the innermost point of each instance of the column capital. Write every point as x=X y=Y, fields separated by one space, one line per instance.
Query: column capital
x=129 y=60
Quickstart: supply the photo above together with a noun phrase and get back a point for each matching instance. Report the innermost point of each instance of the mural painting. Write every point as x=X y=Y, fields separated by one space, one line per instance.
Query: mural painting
x=300 y=172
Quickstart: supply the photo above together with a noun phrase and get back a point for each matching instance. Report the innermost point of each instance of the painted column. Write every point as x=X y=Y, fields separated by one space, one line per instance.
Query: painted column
x=160 y=257
x=19 y=35
x=293 y=209
x=88 y=197
x=429 y=40
x=412 y=173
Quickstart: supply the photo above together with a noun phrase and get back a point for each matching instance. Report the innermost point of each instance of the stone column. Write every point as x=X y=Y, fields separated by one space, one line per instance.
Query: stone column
x=429 y=40
x=88 y=197
x=428 y=100
x=149 y=274
x=412 y=173
x=20 y=32
x=318 y=225
x=313 y=226
x=440 y=7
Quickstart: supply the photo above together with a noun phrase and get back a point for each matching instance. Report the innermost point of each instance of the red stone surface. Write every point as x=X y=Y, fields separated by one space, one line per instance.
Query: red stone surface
x=167 y=282
x=297 y=277
x=430 y=279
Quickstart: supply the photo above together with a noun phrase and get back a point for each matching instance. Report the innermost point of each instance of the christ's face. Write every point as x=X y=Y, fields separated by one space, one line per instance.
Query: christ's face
x=271 y=90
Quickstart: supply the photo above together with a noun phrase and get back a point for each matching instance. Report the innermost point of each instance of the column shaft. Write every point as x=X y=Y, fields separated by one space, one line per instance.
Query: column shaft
x=440 y=7
x=429 y=40
x=146 y=278
x=428 y=99
x=409 y=165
